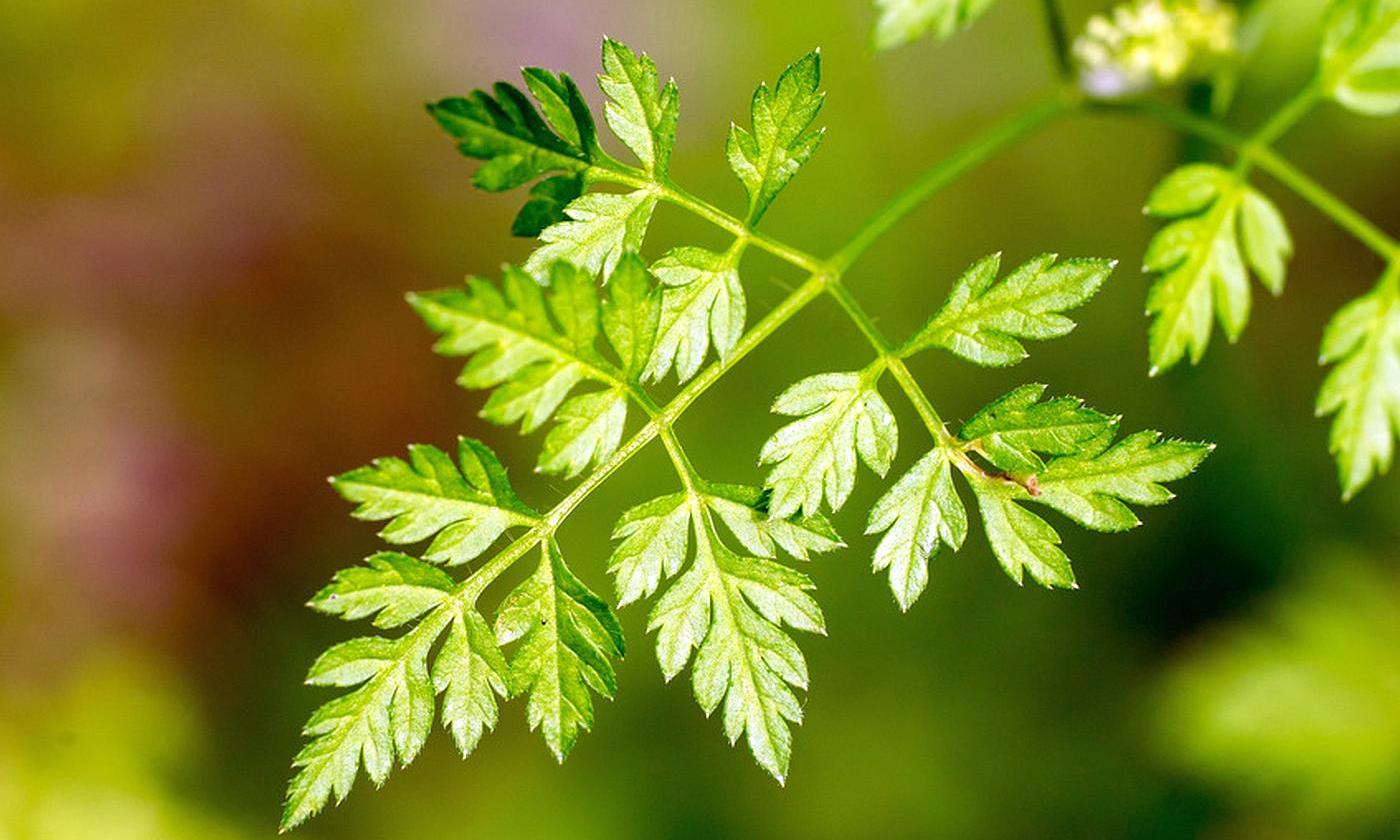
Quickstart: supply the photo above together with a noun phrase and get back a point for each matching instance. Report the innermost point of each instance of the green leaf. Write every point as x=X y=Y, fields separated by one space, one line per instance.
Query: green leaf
x=469 y=673
x=655 y=539
x=921 y=511
x=546 y=206
x=1021 y=541
x=532 y=346
x=642 y=117
x=982 y=319
x=588 y=431
x=631 y=313
x=1013 y=428
x=1363 y=390
x=1202 y=263
x=466 y=507
x=903 y=21
x=567 y=637
x=842 y=415
x=701 y=298
x=767 y=156
x=598 y=229
x=387 y=718
x=1092 y=487
x=507 y=133
x=729 y=611
x=1361 y=55
x=745 y=511
x=397 y=587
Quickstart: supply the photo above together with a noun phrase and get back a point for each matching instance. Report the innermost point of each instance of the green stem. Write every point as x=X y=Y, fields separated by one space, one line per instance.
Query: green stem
x=1019 y=126
x=1059 y=38
x=1270 y=162
x=1283 y=119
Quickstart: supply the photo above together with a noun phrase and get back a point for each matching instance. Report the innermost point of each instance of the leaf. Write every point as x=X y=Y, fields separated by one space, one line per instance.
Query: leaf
x=1361 y=55
x=982 y=319
x=1021 y=541
x=921 y=511
x=567 y=637
x=729 y=611
x=1092 y=487
x=1201 y=262
x=386 y=718
x=397 y=587
x=631 y=314
x=598 y=229
x=701 y=297
x=507 y=133
x=745 y=512
x=642 y=117
x=655 y=538
x=469 y=673
x=903 y=21
x=842 y=415
x=467 y=509
x=533 y=346
x=1363 y=390
x=1090 y=479
x=1013 y=428
x=547 y=204
x=767 y=156
x=589 y=430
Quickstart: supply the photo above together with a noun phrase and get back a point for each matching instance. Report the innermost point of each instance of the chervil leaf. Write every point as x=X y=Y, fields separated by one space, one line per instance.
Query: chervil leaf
x=842 y=416
x=631 y=314
x=903 y=21
x=642 y=117
x=469 y=673
x=768 y=155
x=727 y=609
x=598 y=230
x=567 y=635
x=397 y=587
x=532 y=346
x=1199 y=257
x=1363 y=341
x=1361 y=55
x=507 y=133
x=700 y=298
x=387 y=717
x=1092 y=487
x=918 y=513
x=982 y=319
x=1021 y=541
x=467 y=508
x=547 y=204
x=1091 y=483
x=745 y=512
x=1013 y=428
x=588 y=431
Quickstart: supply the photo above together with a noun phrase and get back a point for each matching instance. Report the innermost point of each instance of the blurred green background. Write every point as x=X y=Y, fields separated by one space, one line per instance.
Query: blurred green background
x=209 y=213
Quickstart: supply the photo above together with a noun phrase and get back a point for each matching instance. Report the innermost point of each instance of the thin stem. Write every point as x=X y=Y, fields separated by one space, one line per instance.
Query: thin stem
x=1059 y=38
x=1283 y=119
x=1019 y=126
x=1270 y=162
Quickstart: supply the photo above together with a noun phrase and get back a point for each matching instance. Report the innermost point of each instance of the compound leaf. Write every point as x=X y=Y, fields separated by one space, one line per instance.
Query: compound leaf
x=1012 y=429
x=983 y=319
x=394 y=588
x=597 y=230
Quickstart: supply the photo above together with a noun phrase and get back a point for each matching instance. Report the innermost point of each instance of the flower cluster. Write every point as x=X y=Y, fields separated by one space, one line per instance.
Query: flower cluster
x=1148 y=43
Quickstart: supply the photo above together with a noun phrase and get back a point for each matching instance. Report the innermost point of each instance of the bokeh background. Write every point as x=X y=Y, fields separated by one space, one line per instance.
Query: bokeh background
x=209 y=213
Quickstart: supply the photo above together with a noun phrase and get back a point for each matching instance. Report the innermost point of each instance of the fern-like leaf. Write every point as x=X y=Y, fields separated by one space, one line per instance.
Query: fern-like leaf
x=1361 y=55
x=1221 y=226
x=901 y=22
x=768 y=154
